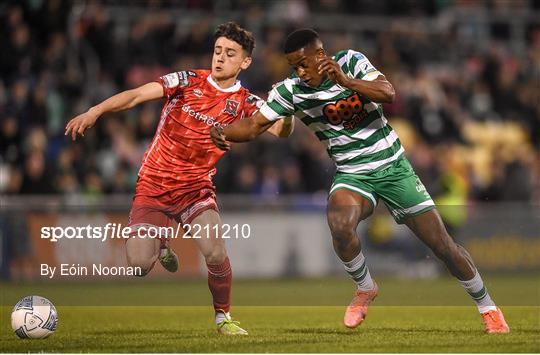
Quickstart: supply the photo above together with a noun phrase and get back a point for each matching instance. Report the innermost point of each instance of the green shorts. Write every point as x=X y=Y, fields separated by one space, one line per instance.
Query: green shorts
x=397 y=185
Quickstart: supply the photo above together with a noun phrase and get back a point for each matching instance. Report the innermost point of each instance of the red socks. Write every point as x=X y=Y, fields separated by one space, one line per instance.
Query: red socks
x=219 y=283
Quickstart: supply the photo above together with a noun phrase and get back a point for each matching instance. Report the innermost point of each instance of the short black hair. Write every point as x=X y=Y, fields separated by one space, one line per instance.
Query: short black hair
x=299 y=39
x=233 y=31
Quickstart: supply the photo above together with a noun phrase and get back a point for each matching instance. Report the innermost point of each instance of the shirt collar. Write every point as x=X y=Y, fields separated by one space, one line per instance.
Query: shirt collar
x=237 y=85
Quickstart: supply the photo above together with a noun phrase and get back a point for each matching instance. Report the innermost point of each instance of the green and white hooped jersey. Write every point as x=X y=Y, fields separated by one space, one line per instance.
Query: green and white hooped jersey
x=352 y=128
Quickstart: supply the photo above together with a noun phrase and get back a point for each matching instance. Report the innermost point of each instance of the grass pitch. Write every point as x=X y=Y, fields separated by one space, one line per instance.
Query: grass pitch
x=403 y=319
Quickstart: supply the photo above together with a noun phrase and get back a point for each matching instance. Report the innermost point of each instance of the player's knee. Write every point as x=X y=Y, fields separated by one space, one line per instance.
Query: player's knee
x=216 y=256
x=341 y=227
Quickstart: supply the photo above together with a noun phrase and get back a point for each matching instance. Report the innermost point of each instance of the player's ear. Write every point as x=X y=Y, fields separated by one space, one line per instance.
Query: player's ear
x=246 y=63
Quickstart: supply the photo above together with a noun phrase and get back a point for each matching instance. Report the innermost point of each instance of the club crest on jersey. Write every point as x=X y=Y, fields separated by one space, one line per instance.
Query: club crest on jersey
x=231 y=107
x=349 y=110
x=198 y=92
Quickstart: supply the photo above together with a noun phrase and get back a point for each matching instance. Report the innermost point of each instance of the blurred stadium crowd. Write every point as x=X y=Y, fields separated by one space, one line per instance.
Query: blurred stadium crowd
x=467 y=106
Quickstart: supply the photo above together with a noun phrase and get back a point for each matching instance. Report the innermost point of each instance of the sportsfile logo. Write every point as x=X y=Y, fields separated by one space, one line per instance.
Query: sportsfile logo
x=209 y=120
x=118 y=231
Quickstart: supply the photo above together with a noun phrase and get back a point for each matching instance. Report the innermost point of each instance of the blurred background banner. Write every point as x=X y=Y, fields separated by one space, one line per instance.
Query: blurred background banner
x=467 y=110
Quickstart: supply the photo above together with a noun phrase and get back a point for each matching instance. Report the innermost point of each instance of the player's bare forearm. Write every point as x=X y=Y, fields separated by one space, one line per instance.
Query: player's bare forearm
x=119 y=102
x=241 y=131
x=282 y=128
x=245 y=130
x=129 y=99
x=379 y=90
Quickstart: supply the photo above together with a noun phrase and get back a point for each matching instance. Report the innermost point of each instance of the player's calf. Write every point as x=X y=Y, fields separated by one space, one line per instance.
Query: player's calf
x=430 y=229
x=492 y=316
x=344 y=238
x=345 y=210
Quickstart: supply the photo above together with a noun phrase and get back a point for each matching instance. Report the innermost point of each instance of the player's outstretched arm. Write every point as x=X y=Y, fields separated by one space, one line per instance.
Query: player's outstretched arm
x=240 y=131
x=379 y=90
x=119 y=102
x=282 y=128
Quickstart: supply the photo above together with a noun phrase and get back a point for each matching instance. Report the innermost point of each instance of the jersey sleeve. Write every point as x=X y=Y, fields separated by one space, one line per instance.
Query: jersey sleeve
x=360 y=67
x=174 y=83
x=279 y=103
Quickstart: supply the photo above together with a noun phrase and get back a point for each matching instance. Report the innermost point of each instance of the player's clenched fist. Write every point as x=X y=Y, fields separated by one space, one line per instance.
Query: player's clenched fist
x=219 y=138
x=333 y=70
x=80 y=124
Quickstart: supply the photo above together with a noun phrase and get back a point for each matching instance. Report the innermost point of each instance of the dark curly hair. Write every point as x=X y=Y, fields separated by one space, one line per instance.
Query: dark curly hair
x=233 y=31
x=299 y=39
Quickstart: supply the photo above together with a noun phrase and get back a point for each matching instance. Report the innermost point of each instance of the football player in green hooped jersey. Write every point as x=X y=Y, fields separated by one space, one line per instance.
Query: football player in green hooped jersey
x=340 y=98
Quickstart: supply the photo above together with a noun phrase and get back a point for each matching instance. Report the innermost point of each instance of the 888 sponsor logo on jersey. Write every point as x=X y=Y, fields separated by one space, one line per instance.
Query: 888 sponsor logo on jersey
x=349 y=111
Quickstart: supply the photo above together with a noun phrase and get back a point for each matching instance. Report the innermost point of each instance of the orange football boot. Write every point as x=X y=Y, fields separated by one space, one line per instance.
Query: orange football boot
x=357 y=310
x=494 y=322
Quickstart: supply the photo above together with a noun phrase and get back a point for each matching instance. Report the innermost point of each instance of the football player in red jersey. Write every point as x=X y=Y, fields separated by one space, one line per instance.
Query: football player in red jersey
x=175 y=178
